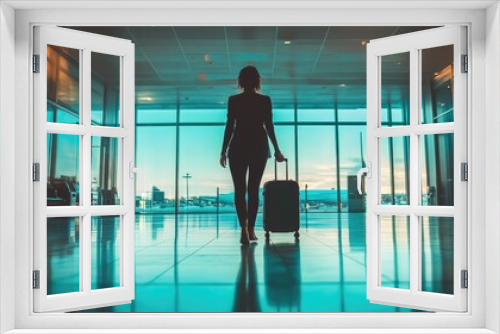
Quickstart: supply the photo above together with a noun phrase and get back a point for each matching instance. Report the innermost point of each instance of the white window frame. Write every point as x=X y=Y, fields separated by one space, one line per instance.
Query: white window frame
x=86 y=44
x=484 y=238
x=414 y=43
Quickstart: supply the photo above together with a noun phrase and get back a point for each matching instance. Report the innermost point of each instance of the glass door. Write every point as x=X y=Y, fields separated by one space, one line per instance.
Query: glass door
x=416 y=198
x=84 y=158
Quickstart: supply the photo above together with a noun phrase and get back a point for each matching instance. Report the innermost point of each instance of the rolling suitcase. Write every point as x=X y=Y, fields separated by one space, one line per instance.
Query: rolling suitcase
x=281 y=204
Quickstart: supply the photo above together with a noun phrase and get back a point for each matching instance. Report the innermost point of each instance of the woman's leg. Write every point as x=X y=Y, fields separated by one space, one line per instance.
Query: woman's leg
x=256 y=170
x=238 y=167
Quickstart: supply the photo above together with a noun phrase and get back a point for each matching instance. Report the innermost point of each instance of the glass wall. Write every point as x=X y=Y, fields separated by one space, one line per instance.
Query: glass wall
x=179 y=151
x=178 y=148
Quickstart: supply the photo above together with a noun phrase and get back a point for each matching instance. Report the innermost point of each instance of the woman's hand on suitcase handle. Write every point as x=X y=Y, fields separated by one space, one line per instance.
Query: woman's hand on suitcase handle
x=279 y=156
x=223 y=160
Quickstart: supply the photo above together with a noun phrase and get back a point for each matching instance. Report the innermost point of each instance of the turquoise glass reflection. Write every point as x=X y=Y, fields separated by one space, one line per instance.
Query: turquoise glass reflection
x=63 y=170
x=437 y=169
x=63 y=255
x=437 y=254
x=194 y=263
x=105 y=95
x=395 y=170
x=155 y=116
x=283 y=115
x=105 y=253
x=395 y=92
x=395 y=252
x=203 y=115
x=437 y=85
x=106 y=171
x=318 y=115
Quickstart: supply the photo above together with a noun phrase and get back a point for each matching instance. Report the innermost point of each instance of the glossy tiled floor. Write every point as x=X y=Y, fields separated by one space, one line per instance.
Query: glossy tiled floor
x=202 y=267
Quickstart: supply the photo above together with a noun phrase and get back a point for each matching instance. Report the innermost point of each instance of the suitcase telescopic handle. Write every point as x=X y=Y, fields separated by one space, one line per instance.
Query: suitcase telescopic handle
x=276 y=168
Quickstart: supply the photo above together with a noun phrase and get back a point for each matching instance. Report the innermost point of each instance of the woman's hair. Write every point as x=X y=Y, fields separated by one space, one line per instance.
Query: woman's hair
x=249 y=78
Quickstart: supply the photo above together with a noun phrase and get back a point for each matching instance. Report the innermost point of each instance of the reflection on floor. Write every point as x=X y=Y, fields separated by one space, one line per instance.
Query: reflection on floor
x=202 y=267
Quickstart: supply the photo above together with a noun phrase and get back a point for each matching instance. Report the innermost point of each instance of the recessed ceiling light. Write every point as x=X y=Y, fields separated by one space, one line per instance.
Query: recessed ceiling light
x=287 y=42
x=364 y=42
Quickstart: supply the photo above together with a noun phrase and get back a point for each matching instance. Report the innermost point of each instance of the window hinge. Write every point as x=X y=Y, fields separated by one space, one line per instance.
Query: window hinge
x=465 y=64
x=464 y=171
x=36 y=63
x=36 y=172
x=465 y=279
x=36 y=279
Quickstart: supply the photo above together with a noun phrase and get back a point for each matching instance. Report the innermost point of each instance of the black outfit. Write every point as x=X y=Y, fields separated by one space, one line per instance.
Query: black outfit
x=249 y=123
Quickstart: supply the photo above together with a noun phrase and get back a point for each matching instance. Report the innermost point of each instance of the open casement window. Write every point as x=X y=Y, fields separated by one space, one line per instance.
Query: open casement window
x=83 y=170
x=416 y=198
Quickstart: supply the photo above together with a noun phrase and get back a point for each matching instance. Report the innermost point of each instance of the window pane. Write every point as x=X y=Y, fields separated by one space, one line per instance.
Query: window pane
x=395 y=171
x=317 y=168
x=352 y=151
x=155 y=154
x=357 y=114
x=199 y=171
x=318 y=115
x=395 y=96
x=283 y=115
x=437 y=254
x=395 y=251
x=203 y=115
x=437 y=85
x=63 y=255
x=151 y=116
x=105 y=252
x=437 y=169
x=63 y=170
x=106 y=171
x=105 y=89
x=63 y=85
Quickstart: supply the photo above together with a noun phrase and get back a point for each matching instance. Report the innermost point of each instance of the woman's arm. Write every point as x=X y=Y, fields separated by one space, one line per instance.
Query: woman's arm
x=230 y=122
x=270 y=126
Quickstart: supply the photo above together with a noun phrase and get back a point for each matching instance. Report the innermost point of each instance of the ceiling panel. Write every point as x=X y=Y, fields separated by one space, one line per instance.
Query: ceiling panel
x=198 y=66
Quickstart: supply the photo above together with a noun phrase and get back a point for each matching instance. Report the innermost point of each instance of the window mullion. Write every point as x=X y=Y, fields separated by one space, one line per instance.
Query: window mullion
x=86 y=181
x=414 y=170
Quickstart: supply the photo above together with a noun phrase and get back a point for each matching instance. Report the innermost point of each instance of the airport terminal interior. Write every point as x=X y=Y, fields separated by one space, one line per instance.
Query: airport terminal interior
x=187 y=252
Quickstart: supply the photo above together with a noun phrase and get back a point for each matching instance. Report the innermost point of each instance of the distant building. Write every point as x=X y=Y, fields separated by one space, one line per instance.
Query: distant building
x=157 y=195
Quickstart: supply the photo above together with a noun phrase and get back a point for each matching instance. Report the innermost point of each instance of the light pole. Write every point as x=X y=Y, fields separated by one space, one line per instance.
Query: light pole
x=187 y=177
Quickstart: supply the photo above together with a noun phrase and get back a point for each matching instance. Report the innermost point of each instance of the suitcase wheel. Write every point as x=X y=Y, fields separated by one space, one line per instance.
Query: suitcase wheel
x=267 y=235
x=296 y=234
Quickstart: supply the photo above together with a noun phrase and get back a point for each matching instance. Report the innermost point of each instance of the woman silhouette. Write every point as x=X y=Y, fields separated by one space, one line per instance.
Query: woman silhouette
x=249 y=123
